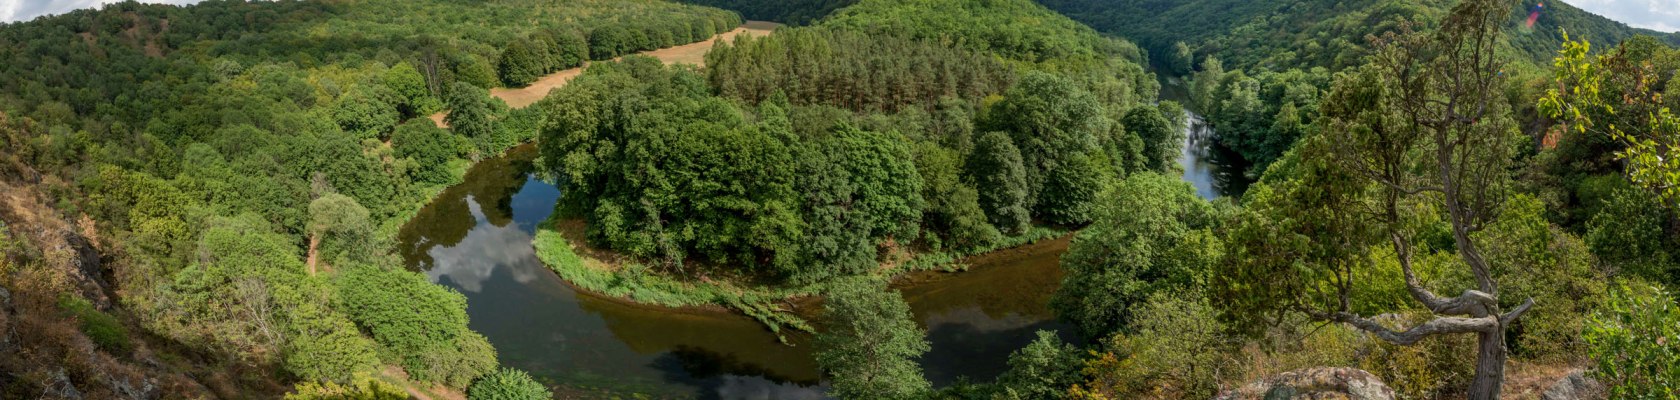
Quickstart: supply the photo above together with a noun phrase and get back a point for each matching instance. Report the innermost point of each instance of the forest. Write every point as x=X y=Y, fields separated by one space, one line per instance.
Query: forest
x=1448 y=201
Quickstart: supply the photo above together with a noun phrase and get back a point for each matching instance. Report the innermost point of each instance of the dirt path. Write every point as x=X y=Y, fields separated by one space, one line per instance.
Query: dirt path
x=692 y=53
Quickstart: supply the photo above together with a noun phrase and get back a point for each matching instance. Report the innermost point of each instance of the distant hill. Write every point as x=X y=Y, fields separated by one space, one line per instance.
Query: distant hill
x=1300 y=33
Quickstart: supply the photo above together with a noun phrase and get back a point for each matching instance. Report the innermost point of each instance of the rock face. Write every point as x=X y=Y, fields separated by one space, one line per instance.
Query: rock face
x=1315 y=383
x=1575 y=386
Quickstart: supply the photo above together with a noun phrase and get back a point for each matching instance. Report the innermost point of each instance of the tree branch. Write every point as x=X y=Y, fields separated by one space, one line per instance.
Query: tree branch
x=1438 y=326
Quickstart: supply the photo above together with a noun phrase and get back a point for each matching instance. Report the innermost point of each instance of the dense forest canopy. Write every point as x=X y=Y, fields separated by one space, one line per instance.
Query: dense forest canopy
x=1447 y=199
x=245 y=164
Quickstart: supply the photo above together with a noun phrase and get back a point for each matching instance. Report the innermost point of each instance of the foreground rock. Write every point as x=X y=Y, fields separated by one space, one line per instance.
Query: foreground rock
x=1575 y=386
x=1315 y=383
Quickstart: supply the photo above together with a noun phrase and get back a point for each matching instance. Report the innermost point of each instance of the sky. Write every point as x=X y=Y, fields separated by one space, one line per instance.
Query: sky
x=1662 y=15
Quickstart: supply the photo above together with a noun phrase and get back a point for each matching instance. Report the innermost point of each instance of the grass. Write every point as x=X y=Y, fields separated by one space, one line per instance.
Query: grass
x=637 y=282
x=103 y=328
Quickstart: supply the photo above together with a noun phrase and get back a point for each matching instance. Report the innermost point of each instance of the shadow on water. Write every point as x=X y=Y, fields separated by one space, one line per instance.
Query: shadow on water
x=476 y=238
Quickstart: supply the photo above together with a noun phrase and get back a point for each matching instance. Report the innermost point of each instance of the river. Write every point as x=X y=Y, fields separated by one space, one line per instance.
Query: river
x=475 y=237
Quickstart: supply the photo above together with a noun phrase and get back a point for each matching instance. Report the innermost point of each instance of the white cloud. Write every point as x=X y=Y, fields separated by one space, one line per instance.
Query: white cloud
x=24 y=10
x=486 y=249
x=1660 y=15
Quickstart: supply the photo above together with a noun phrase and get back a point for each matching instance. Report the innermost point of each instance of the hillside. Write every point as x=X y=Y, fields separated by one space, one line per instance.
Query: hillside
x=1304 y=33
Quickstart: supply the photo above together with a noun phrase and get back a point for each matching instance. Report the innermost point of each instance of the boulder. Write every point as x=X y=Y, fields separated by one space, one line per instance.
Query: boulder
x=1575 y=386
x=1315 y=383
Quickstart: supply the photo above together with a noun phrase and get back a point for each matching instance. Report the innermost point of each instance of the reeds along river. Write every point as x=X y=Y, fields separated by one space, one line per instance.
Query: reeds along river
x=476 y=238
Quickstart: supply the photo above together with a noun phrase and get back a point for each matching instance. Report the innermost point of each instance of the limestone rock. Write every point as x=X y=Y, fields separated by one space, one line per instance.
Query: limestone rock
x=1575 y=386
x=1315 y=383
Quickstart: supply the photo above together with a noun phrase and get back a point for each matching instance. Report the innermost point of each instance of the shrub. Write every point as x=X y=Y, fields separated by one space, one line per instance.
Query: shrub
x=1635 y=342
x=362 y=387
x=508 y=384
x=102 y=328
x=1045 y=369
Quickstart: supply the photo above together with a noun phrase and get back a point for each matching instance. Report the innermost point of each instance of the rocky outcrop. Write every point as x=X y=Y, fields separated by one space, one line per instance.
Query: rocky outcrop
x=1575 y=386
x=1315 y=383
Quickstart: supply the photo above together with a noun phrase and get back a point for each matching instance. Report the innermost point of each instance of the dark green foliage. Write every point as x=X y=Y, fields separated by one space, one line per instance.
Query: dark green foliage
x=1052 y=121
x=861 y=188
x=1000 y=178
x=1629 y=233
x=610 y=41
x=431 y=148
x=470 y=112
x=1181 y=61
x=692 y=178
x=520 y=63
x=1161 y=143
x=1150 y=234
x=1316 y=33
x=108 y=333
x=826 y=66
x=508 y=384
x=870 y=344
x=792 y=12
x=953 y=218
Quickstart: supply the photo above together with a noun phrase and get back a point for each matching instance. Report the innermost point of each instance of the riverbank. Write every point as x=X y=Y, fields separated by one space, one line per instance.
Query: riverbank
x=561 y=246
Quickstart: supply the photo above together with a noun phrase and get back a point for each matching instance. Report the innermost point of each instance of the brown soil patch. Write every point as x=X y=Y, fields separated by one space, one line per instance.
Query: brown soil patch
x=692 y=53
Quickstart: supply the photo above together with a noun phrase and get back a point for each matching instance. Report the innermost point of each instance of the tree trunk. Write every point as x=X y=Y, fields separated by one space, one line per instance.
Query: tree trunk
x=1490 y=365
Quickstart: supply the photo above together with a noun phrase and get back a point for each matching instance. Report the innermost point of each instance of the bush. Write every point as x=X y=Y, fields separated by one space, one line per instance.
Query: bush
x=1635 y=342
x=421 y=325
x=508 y=384
x=362 y=387
x=102 y=328
x=1045 y=369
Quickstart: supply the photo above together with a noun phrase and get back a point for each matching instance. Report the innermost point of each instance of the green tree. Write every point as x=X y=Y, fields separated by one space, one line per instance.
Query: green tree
x=366 y=111
x=431 y=148
x=1044 y=369
x=339 y=229
x=470 y=114
x=953 y=218
x=870 y=342
x=1161 y=143
x=1001 y=181
x=1613 y=97
x=508 y=384
x=1151 y=234
x=1182 y=61
x=1421 y=129
x=413 y=97
x=861 y=188
x=520 y=63
x=1051 y=120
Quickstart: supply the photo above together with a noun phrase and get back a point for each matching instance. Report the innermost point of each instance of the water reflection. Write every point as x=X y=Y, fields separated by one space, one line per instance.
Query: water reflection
x=476 y=237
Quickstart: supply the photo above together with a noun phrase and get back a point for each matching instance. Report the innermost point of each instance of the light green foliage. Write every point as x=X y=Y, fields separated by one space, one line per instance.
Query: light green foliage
x=343 y=228
x=1610 y=96
x=1537 y=260
x=1631 y=342
x=363 y=387
x=367 y=111
x=1262 y=116
x=236 y=296
x=1176 y=348
x=413 y=97
x=870 y=342
x=419 y=325
x=1001 y=180
x=1151 y=234
x=508 y=384
x=105 y=331
x=1051 y=120
x=326 y=346
x=1044 y=369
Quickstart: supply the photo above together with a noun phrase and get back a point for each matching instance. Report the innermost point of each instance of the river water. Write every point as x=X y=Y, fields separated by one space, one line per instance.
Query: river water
x=475 y=237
